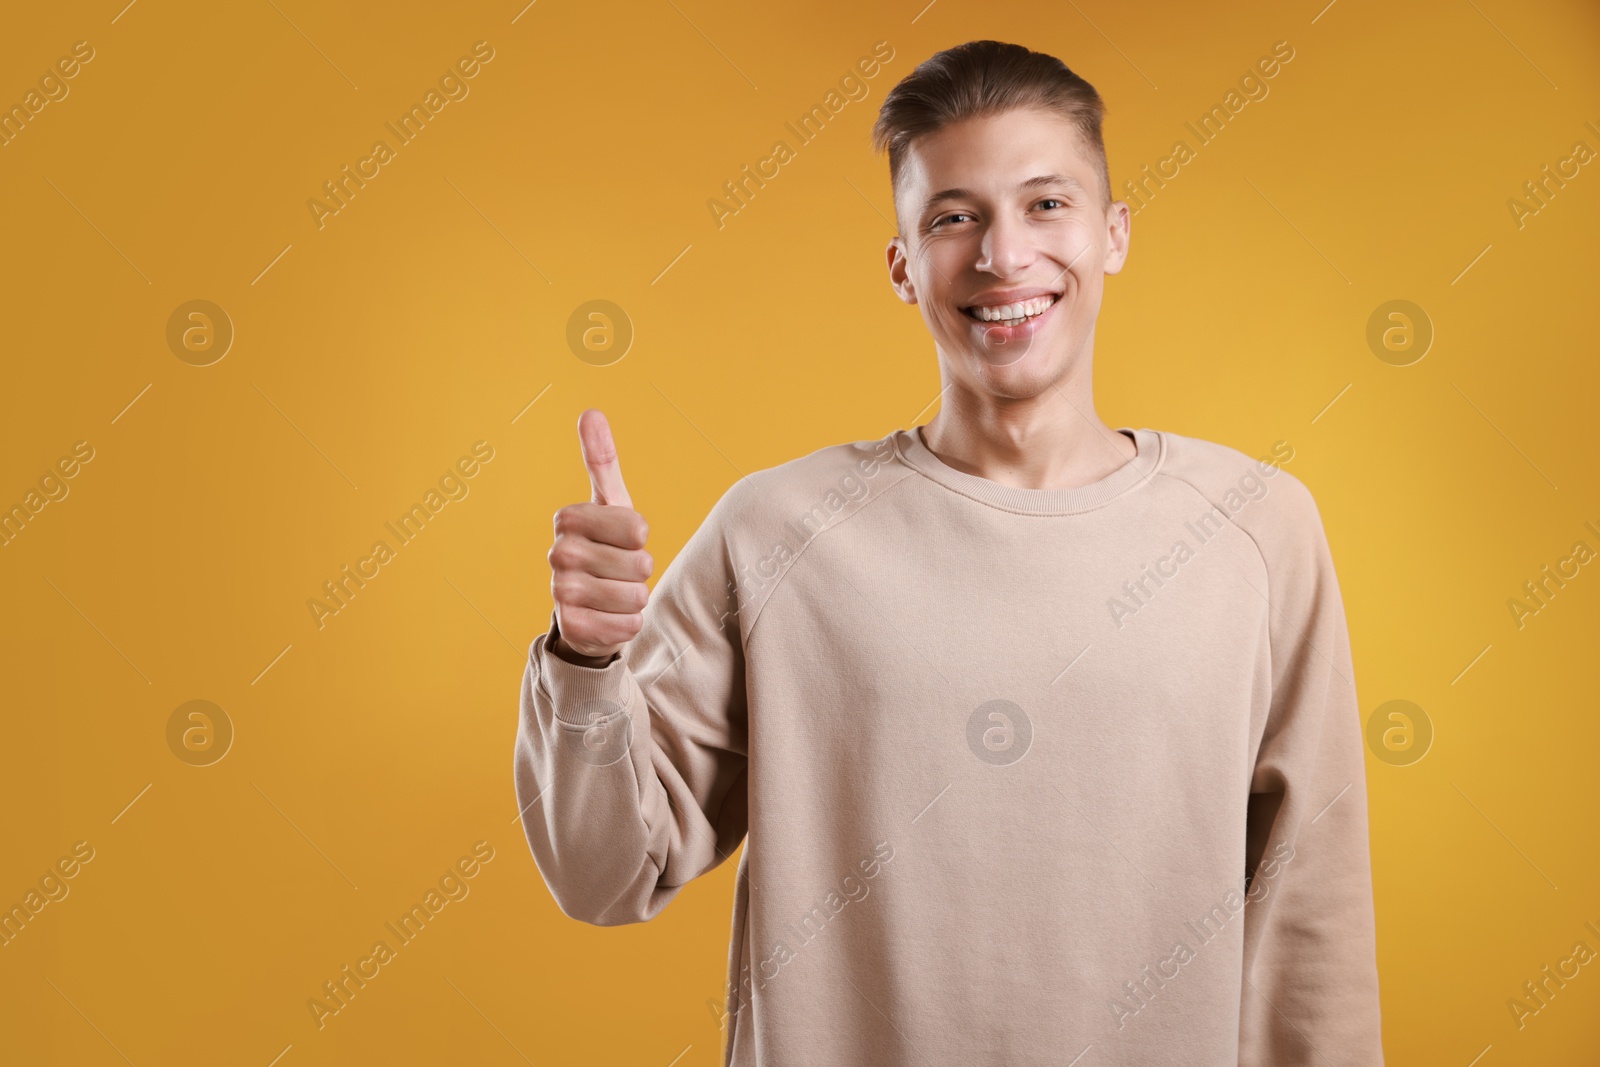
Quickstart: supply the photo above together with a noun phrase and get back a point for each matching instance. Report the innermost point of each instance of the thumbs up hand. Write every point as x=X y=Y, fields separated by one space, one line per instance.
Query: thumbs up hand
x=598 y=562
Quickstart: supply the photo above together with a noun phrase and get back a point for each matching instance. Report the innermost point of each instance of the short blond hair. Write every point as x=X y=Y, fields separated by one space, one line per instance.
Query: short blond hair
x=982 y=78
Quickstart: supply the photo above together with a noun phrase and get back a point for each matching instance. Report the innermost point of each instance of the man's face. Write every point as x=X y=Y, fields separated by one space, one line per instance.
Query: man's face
x=995 y=213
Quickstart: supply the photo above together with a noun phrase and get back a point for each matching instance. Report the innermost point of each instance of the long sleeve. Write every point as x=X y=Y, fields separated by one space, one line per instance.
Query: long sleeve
x=1310 y=989
x=631 y=777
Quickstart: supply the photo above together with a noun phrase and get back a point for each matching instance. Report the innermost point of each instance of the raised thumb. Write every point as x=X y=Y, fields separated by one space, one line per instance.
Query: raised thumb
x=600 y=457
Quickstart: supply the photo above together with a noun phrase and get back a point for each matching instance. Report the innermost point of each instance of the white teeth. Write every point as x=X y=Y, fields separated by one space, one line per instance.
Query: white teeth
x=1012 y=313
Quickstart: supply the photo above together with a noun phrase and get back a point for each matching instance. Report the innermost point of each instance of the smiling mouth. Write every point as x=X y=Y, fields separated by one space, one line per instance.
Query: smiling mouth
x=1012 y=314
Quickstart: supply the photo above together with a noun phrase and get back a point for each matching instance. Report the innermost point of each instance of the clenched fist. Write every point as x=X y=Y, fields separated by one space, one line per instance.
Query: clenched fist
x=598 y=563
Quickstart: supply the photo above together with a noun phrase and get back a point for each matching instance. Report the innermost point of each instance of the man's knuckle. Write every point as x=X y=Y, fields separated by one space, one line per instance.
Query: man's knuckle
x=565 y=588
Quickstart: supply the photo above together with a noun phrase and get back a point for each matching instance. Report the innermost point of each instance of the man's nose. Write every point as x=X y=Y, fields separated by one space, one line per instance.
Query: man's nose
x=1007 y=247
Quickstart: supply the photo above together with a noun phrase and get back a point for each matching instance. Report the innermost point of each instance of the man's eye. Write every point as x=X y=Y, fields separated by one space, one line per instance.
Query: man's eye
x=951 y=218
x=1052 y=200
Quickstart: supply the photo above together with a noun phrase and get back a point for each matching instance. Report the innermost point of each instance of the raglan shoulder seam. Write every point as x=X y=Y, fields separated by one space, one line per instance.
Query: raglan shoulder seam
x=1261 y=554
x=767 y=597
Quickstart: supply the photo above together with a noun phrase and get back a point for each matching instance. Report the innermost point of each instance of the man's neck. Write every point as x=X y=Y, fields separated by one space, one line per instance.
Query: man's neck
x=1051 y=441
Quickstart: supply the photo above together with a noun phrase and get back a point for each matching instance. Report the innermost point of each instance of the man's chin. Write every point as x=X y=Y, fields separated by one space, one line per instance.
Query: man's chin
x=1014 y=374
x=992 y=350
x=1005 y=355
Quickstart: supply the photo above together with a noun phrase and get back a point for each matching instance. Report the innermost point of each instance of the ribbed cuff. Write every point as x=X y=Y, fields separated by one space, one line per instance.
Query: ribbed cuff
x=579 y=695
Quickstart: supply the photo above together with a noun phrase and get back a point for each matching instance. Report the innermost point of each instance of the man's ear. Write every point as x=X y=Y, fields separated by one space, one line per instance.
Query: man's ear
x=898 y=277
x=1119 y=224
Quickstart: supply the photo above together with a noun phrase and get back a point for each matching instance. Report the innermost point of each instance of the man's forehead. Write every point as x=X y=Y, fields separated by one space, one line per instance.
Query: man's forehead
x=1052 y=180
x=924 y=190
x=935 y=165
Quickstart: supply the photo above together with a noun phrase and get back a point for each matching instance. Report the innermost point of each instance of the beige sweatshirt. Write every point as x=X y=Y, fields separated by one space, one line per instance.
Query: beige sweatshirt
x=1002 y=760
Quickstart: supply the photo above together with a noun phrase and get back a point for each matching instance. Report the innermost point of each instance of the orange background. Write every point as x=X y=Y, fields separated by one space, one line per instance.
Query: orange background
x=372 y=752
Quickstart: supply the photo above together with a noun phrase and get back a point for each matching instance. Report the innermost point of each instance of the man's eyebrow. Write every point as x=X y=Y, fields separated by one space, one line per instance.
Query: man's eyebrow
x=1032 y=183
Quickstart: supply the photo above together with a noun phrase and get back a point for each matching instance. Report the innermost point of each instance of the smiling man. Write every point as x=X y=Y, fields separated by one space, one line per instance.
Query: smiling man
x=988 y=817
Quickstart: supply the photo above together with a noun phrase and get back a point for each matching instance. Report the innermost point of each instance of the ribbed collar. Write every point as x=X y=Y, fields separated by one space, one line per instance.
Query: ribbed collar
x=1135 y=472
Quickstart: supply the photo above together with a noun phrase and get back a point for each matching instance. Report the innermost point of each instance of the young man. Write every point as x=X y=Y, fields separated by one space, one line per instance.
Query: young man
x=1044 y=735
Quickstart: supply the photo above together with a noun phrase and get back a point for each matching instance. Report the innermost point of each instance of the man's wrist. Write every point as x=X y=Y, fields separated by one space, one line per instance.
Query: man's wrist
x=561 y=651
